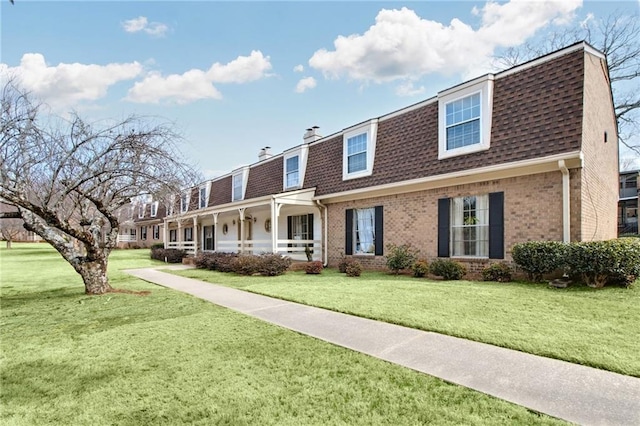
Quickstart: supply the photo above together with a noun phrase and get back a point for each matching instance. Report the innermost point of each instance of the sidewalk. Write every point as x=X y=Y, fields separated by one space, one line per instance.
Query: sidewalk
x=561 y=389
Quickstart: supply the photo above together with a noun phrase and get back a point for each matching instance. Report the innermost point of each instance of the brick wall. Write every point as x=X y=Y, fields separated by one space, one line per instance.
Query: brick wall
x=533 y=211
x=599 y=180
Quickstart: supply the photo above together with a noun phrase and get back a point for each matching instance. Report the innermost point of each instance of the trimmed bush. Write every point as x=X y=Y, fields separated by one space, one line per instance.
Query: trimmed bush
x=313 y=267
x=223 y=262
x=605 y=262
x=500 y=272
x=447 y=269
x=246 y=264
x=353 y=268
x=400 y=257
x=168 y=255
x=420 y=268
x=273 y=264
x=157 y=246
x=537 y=258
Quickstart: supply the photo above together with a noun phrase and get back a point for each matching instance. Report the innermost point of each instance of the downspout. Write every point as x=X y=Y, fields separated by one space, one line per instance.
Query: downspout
x=566 y=200
x=325 y=238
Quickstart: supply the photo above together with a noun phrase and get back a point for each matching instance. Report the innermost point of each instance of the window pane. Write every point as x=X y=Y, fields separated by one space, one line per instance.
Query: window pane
x=463 y=122
x=292 y=172
x=357 y=144
x=237 y=187
x=364 y=231
x=292 y=164
x=292 y=179
x=357 y=162
x=470 y=226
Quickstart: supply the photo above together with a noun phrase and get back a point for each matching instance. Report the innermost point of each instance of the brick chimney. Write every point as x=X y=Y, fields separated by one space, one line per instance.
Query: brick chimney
x=265 y=153
x=311 y=135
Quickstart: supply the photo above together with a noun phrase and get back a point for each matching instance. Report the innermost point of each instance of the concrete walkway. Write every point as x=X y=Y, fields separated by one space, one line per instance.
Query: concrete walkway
x=561 y=389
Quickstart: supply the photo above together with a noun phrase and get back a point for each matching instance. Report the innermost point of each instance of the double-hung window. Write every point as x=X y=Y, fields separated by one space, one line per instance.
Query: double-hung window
x=464 y=118
x=463 y=122
x=184 y=202
x=143 y=233
x=364 y=231
x=359 y=148
x=156 y=232
x=471 y=226
x=154 y=209
x=357 y=153
x=188 y=234
x=203 y=197
x=238 y=181
x=292 y=172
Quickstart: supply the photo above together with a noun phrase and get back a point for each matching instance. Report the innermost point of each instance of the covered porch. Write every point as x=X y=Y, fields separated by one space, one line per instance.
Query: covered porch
x=290 y=224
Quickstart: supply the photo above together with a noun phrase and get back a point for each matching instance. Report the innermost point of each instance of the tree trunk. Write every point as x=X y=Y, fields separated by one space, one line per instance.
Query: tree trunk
x=8 y=243
x=94 y=275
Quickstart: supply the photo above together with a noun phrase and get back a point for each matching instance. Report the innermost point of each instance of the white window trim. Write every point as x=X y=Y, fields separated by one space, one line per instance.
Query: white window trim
x=371 y=129
x=185 y=208
x=245 y=177
x=207 y=188
x=482 y=85
x=302 y=152
x=154 y=209
x=170 y=207
x=141 y=210
x=451 y=240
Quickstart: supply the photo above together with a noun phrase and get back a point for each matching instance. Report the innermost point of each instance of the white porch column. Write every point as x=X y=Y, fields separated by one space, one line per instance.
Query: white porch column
x=566 y=202
x=215 y=232
x=165 y=233
x=179 y=236
x=274 y=227
x=241 y=224
x=195 y=235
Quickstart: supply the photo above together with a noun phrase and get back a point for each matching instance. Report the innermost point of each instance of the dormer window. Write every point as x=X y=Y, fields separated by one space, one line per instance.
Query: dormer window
x=184 y=202
x=359 y=148
x=239 y=181
x=203 y=197
x=464 y=123
x=295 y=163
x=141 y=211
x=154 y=209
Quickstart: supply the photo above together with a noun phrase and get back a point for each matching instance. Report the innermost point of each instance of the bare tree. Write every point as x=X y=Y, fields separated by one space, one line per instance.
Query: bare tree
x=10 y=230
x=68 y=177
x=618 y=37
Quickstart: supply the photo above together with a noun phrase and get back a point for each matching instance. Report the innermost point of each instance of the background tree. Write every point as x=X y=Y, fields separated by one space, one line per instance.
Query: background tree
x=618 y=37
x=10 y=229
x=69 y=177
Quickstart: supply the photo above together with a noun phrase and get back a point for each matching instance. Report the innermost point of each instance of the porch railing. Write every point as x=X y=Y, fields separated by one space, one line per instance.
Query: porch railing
x=188 y=246
x=296 y=249
x=126 y=238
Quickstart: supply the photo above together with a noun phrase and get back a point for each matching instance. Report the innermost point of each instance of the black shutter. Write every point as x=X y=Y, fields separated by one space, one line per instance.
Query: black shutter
x=496 y=225
x=289 y=230
x=443 y=226
x=348 y=234
x=379 y=231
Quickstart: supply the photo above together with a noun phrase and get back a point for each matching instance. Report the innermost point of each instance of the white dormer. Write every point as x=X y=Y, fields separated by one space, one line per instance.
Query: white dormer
x=239 y=184
x=294 y=167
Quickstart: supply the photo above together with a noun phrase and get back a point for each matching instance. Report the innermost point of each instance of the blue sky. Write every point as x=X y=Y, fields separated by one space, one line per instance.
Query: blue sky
x=237 y=76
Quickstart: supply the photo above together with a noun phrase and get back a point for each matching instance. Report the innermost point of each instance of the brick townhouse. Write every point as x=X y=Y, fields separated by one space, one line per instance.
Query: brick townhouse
x=529 y=153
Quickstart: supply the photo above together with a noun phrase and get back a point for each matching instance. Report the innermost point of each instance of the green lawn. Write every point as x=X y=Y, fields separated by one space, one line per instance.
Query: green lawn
x=168 y=358
x=591 y=327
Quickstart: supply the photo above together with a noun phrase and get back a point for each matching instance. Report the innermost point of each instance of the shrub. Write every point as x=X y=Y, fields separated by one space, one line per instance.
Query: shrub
x=313 y=267
x=273 y=264
x=222 y=262
x=246 y=264
x=420 y=268
x=500 y=272
x=203 y=260
x=168 y=255
x=400 y=257
x=342 y=265
x=447 y=269
x=605 y=262
x=157 y=246
x=537 y=258
x=353 y=268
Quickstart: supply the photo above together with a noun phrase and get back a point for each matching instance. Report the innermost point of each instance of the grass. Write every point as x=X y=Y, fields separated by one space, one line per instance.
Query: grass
x=598 y=328
x=168 y=358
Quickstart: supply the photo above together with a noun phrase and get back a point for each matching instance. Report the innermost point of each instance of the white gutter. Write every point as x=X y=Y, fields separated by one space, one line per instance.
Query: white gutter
x=325 y=238
x=566 y=202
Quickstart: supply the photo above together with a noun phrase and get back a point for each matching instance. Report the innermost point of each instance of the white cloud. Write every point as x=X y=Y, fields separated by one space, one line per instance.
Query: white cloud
x=197 y=84
x=180 y=88
x=241 y=70
x=403 y=46
x=141 y=23
x=300 y=67
x=67 y=84
x=305 y=84
x=408 y=89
